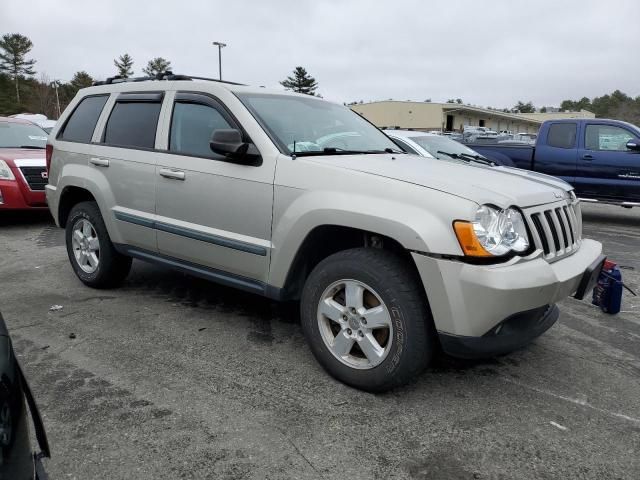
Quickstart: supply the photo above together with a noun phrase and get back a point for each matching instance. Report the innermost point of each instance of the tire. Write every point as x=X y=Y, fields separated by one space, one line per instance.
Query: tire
x=388 y=282
x=111 y=267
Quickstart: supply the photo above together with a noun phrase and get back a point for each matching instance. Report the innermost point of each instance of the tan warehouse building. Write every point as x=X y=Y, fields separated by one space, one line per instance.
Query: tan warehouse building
x=451 y=116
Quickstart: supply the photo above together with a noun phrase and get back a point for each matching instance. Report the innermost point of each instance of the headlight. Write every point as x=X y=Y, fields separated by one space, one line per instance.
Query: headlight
x=5 y=171
x=493 y=233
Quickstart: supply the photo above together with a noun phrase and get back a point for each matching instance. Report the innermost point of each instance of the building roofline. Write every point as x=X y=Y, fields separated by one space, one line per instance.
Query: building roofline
x=459 y=106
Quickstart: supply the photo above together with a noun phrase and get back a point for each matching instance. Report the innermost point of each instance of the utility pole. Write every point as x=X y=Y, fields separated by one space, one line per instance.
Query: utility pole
x=55 y=84
x=220 y=46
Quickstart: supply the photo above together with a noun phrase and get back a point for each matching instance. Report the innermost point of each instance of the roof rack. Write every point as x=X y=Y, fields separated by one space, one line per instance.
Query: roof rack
x=168 y=75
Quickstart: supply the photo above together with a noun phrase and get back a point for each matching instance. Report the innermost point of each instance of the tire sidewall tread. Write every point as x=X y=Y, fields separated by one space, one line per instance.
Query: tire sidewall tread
x=113 y=267
x=401 y=291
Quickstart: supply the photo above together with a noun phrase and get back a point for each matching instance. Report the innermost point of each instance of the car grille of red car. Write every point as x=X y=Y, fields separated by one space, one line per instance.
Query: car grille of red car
x=36 y=177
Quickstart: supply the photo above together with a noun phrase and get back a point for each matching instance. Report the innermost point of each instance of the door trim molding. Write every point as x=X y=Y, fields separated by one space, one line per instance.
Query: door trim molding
x=212 y=274
x=194 y=234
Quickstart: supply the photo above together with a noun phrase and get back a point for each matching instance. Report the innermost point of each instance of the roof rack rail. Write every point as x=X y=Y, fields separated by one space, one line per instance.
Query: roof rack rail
x=168 y=75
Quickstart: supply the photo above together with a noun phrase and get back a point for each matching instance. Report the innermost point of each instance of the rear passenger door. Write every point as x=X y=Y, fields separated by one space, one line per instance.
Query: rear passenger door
x=123 y=157
x=212 y=212
x=608 y=169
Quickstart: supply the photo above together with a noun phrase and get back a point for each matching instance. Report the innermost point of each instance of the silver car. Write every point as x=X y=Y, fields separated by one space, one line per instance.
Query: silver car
x=295 y=198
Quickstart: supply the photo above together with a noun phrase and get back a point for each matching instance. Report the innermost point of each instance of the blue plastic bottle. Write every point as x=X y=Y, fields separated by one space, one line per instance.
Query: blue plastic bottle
x=608 y=292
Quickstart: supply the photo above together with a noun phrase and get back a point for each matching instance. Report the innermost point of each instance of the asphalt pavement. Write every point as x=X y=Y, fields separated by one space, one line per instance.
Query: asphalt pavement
x=171 y=377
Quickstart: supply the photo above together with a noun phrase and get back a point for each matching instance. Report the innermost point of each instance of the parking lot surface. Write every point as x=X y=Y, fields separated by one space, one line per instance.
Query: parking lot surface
x=173 y=377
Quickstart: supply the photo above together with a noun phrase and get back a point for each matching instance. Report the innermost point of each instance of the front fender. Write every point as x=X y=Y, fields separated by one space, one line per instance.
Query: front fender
x=413 y=224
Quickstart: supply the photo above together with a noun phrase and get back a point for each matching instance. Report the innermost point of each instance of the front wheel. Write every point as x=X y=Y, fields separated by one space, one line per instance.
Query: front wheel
x=366 y=319
x=91 y=253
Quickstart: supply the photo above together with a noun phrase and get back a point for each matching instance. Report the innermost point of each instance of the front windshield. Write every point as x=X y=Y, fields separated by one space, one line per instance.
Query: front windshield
x=21 y=135
x=315 y=125
x=435 y=143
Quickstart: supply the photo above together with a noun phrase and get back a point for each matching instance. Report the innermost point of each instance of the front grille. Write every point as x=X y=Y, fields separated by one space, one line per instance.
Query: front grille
x=556 y=229
x=33 y=176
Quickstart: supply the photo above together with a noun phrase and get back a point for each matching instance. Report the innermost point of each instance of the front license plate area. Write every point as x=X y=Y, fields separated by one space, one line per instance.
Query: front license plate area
x=590 y=277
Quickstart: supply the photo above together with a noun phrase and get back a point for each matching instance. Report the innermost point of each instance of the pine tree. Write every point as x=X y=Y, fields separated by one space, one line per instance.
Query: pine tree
x=81 y=80
x=157 y=65
x=300 y=82
x=13 y=58
x=124 y=64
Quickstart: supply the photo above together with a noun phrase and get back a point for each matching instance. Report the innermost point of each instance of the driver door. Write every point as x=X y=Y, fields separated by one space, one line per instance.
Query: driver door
x=210 y=212
x=607 y=169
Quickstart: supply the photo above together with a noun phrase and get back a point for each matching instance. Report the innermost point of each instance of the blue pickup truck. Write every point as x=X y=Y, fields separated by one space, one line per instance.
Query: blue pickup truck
x=600 y=158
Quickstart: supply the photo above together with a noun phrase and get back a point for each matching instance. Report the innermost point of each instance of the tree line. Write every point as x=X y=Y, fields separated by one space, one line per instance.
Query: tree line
x=21 y=91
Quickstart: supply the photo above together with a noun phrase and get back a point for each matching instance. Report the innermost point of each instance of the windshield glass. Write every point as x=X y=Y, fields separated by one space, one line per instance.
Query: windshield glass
x=434 y=144
x=25 y=135
x=314 y=125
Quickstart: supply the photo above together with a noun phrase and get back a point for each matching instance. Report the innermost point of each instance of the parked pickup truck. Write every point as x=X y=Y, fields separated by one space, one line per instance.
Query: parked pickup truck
x=600 y=158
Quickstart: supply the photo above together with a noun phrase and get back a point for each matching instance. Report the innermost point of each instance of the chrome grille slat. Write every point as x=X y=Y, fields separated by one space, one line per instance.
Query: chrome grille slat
x=563 y=228
x=546 y=225
x=555 y=229
x=572 y=228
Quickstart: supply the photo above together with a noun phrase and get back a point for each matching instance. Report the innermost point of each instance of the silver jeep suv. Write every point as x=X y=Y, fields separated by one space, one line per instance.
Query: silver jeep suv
x=295 y=198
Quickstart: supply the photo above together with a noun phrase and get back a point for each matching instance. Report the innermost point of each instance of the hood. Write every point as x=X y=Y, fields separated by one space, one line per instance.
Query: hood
x=482 y=184
x=32 y=156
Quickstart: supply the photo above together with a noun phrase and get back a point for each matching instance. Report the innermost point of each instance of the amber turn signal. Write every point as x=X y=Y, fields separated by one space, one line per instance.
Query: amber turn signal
x=468 y=240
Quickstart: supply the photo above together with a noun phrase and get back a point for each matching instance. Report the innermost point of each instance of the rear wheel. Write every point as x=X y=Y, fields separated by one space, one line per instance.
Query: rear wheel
x=91 y=253
x=366 y=319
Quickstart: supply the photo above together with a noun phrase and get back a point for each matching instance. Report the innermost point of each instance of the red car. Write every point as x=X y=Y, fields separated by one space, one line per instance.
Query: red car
x=23 y=172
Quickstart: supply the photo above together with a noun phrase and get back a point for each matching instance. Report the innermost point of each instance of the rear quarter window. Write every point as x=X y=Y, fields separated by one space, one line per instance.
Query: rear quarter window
x=562 y=135
x=133 y=124
x=83 y=119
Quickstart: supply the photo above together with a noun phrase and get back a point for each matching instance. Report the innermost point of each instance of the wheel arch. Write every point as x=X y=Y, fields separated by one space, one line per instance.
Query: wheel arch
x=72 y=195
x=325 y=240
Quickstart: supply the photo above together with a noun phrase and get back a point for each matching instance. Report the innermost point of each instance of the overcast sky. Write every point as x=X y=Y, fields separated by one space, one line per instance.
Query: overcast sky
x=487 y=53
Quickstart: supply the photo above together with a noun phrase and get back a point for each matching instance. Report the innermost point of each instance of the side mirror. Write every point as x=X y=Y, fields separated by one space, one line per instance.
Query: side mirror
x=634 y=144
x=228 y=142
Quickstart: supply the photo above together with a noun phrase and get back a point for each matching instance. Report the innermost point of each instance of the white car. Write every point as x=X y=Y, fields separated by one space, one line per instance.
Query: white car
x=434 y=146
x=39 y=119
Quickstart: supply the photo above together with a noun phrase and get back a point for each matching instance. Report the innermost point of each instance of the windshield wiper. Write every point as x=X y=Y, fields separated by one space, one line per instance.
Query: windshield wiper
x=478 y=158
x=32 y=146
x=342 y=151
x=467 y=157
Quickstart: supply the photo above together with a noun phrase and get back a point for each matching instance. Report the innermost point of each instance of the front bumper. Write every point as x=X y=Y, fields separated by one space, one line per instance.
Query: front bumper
x=470 y=300
x=15 y=196
x=515 y=332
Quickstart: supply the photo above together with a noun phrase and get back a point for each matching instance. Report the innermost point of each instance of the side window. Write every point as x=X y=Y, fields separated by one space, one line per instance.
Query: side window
x=606 y=137
x=191 y=127
x=404 y=146
x=133 y=124
x=83 y=120
x=562 y=135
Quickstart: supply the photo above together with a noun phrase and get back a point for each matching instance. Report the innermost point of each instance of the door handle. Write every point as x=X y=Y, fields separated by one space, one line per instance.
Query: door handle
x=587 y=156
x=172 y=174
x=99 y=162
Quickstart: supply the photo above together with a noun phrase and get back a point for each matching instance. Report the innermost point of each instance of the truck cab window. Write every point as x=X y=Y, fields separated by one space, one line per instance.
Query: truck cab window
x=562 y=135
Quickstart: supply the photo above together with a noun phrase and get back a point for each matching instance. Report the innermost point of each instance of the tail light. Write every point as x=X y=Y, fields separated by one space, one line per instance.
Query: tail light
x=49 y=154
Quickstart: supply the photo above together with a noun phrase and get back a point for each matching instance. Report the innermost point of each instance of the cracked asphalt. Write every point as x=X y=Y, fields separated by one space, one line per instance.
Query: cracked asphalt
x=173 y=377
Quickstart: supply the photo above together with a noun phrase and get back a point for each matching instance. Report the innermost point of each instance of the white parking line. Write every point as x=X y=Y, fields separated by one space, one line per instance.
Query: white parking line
x=575 y=401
